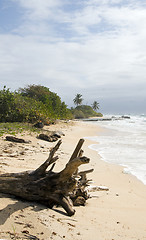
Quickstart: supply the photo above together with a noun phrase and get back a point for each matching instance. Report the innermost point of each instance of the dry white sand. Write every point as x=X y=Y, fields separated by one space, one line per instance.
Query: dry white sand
x=117 y=214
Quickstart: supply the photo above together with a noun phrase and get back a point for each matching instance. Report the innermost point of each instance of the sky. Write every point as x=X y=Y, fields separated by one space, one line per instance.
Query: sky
x=93 y=47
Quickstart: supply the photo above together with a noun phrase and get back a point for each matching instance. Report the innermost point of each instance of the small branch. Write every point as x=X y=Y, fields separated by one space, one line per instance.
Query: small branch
x=53 y=160
x=52 y=167
x=41 y=170
x=65 y=203
x=86 y=172
x=77 y=149
x=71 y=167
x=83 y=176
x=81 y=153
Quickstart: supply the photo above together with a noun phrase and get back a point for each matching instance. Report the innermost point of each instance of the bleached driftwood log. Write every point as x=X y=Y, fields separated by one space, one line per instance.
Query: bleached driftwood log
x=48 y=187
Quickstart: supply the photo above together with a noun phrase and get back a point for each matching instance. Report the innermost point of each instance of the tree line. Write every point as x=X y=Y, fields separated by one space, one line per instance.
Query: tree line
x=84 y=111
x=31 y=104
x=78 y=101
x=37 y=103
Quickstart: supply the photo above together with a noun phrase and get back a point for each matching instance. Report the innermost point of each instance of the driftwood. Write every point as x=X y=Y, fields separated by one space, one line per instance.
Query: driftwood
x=50 y=188
x=49 y=138
x=15 y=139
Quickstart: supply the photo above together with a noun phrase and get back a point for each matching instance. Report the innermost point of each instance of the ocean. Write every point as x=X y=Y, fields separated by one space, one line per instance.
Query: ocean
x=123 y=142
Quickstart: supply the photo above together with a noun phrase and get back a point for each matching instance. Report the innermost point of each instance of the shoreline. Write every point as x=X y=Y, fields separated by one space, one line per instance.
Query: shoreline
x=118 y=214
x=123 y=144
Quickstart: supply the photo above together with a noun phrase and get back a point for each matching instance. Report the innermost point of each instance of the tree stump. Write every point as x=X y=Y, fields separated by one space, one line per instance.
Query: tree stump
x=48 y=187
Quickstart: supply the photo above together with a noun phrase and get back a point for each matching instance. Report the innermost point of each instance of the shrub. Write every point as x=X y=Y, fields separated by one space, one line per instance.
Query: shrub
x=84 y=111
x=51 y=101
x=32 y=104
x=78 y=114
x=7 y=104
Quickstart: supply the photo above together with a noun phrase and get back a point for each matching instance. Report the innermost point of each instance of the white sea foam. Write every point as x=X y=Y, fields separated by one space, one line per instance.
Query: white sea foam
x=124 y=144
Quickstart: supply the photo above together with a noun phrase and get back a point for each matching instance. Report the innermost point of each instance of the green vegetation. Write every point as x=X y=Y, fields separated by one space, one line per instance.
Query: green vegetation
x=95 y=105
x=78 y=99
x=37 y=103
x=84 y=111
x=31 y=104
x=13 y=128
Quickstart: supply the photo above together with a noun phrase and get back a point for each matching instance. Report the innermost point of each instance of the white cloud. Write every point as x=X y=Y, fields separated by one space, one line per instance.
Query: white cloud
x=38 y=9
x=85 y=18
x=97 y=47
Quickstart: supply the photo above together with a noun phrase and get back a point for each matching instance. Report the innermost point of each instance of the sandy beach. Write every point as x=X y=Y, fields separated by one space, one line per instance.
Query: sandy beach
x=117 y=214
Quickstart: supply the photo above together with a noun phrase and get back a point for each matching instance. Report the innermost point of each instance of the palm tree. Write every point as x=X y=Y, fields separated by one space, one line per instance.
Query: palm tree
x=78 y=99
x=95 y=105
